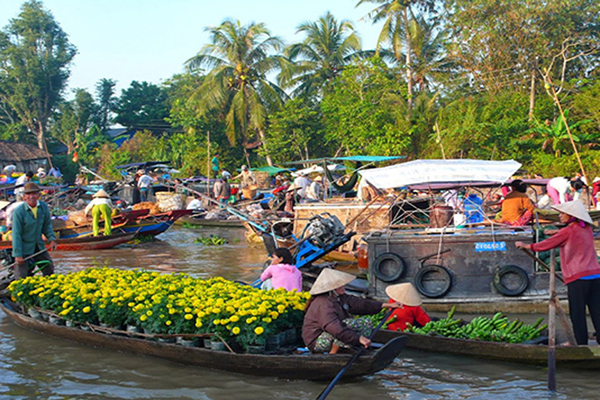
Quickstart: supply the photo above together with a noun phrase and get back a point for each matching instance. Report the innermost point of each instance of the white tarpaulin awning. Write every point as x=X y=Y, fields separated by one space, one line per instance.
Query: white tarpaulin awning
x=439 y=171
x=318 y=169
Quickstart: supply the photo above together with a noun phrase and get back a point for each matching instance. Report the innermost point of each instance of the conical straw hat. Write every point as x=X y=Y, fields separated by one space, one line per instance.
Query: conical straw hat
x=575 y=209
x=330 y=279
x=101 y=193
x=404 y=293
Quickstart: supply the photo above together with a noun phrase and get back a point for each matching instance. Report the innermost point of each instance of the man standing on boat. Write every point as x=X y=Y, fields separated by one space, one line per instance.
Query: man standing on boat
x=100 y=206
x=31 y=219
x=144 y=184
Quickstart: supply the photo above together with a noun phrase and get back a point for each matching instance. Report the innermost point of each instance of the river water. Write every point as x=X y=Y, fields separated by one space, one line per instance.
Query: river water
x=34 y=366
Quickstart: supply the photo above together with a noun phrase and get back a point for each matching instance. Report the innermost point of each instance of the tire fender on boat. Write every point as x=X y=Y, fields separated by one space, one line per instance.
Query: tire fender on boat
x=430 y=273
x=517 y=273
x=389 y=267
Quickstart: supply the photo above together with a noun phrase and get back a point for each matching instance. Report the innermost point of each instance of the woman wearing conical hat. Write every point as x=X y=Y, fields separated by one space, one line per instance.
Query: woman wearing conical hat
x=579 y=264
x=410 y=311
x=100 y=206
x=328 y=323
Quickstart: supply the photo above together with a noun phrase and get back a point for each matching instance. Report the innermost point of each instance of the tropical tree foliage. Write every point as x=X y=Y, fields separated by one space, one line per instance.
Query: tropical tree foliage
x=329 y=46
x=35 y=55
x=239 y=59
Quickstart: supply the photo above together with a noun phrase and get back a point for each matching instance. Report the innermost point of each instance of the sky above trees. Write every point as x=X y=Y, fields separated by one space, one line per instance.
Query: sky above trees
x=150 y=40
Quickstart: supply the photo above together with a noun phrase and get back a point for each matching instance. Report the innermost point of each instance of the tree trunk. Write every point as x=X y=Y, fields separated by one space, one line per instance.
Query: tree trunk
x=409 y=73
x=261 y=134
x=532 y=95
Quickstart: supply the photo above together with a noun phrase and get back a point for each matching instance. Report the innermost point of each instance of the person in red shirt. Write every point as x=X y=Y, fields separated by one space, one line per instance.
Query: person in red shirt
x=409 y=311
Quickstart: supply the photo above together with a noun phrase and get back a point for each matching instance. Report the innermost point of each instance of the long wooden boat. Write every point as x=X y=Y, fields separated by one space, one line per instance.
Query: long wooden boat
x=288 y=366
x=212 y=222
x=84 y=243
x=582 y=357
x=144 y=225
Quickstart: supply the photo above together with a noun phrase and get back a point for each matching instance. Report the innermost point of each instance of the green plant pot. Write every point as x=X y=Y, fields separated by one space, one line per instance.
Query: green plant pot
x=275 y=342
x=255 y=349
x=188 y=342
x=33 y=313
x=207 y=343
x=217 y=345
x=134 y=328
x=290 y=336
x=56 y=320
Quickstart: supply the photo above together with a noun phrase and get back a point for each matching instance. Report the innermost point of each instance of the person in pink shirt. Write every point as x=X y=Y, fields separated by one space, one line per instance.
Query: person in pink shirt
x=579 y=264
x=282 y=271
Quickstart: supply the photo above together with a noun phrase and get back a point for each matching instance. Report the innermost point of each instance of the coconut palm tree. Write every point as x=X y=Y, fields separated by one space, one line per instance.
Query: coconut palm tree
x=396 y=15
x=238 y=60
x=327 y=48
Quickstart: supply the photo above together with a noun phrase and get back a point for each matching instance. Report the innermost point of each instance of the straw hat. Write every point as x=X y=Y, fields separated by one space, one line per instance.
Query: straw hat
x=575 y=209
x=4 y=204
x=293 y=186
x=101 y=193
x=318 y=178
x=404 y=293
x=330 y=279
x=31 y=187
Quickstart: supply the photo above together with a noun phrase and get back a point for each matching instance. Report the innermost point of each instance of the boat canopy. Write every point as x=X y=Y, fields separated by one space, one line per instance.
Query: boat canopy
x=271 y=170
x=440 y=171
x=349 y=158
x=318 y=169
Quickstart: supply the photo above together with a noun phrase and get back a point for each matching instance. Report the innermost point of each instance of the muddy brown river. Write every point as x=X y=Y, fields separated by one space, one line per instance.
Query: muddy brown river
x=34 y=366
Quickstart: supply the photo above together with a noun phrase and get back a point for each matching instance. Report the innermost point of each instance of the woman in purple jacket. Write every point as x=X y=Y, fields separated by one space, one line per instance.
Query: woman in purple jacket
x=579 y=264
x=328 y=323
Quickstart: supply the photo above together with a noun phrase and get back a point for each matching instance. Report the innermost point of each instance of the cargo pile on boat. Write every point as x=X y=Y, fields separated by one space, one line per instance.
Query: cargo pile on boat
x=163 y=303
x=495 y=329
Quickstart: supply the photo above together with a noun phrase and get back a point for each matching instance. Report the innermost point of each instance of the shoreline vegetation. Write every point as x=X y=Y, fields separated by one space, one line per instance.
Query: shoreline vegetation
x=462 y=79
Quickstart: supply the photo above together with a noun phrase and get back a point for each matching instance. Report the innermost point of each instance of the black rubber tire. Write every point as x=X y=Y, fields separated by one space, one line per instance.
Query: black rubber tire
x=521 y=284
x=443 y=277
x=389 y=267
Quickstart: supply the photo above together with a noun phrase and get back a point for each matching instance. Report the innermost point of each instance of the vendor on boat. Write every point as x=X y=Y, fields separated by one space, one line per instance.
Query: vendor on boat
x=517 y=208
x=246 y=178
x=328 y=323
x=409 y=311
x=282 y=273
x=579 y=264
x=100 y=206
x=31 y=220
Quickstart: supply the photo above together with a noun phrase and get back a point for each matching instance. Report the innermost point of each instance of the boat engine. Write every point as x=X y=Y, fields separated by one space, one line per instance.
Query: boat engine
x=324 y=229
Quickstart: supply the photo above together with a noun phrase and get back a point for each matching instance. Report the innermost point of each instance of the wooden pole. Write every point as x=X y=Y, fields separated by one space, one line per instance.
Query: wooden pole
x=552 y=328
x=208 y=163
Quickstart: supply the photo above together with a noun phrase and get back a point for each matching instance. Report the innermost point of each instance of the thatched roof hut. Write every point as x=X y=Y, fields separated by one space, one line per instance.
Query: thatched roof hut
x=25 y=157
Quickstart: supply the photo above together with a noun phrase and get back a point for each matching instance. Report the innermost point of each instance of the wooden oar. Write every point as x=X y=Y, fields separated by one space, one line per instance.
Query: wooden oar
x=335 y=380
x=25 y=259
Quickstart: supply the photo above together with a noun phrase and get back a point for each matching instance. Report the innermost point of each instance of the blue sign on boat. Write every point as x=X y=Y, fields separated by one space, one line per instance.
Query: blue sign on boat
x=490 y=246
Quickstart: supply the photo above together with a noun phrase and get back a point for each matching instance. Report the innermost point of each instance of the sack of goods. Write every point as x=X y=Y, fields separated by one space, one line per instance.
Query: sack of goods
x=169 y=201
x=147 y=205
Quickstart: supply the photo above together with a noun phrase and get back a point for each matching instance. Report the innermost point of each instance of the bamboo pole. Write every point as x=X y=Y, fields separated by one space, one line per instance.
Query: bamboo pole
x=552 y=327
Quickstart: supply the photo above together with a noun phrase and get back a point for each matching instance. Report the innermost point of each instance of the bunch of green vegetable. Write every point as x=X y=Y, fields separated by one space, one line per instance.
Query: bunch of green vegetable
x=495 y=329
x=212 y=240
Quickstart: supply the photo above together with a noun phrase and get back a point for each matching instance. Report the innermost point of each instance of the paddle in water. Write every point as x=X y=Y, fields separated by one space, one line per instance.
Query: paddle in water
x=335 y=380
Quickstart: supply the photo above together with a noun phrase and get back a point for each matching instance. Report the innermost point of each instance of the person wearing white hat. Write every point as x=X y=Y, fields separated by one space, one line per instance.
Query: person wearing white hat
x=328 y=324
x=579 y=265
x=410 y=311
x=315 y=190
x=100 y=206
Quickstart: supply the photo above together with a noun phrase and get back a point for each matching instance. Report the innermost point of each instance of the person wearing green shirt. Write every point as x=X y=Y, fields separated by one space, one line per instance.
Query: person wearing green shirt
x=30 y=220
x=215 y=166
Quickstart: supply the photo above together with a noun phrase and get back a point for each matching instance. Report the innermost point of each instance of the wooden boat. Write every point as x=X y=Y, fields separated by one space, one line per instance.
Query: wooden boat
x=582 y=357
x=212 y=222
x=84 y=243
x=288 y=366
x=143 y=225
